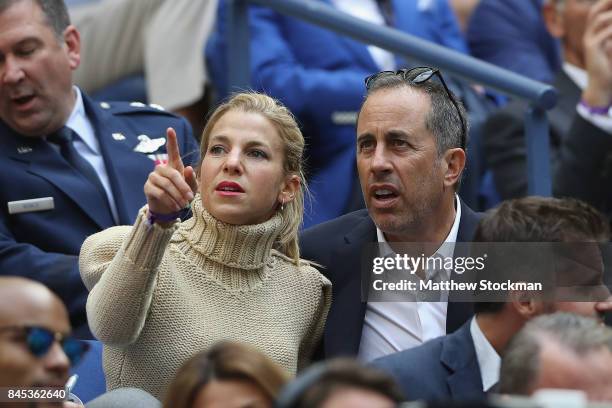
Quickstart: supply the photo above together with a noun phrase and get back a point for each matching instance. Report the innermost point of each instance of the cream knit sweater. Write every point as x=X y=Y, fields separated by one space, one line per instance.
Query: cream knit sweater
x=158 y=296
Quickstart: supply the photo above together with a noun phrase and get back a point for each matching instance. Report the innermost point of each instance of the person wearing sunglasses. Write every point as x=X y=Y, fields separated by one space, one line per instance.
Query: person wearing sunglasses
x=411 y=139
x=36 y=349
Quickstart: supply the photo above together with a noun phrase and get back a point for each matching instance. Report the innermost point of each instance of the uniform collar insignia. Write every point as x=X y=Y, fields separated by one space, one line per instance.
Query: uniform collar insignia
x=148 y=145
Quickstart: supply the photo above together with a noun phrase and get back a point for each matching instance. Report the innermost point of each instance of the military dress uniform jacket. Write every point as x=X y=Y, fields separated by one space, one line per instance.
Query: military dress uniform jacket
x=44 y=245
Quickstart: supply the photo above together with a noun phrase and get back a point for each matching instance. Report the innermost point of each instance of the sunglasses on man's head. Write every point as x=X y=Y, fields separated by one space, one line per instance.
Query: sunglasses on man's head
x=416 y=76
x=39 y=341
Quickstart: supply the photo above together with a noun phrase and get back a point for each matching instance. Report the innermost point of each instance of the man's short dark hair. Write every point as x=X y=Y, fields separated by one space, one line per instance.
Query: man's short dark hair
x=55 y=11
x=540 y=219
x=442 y=120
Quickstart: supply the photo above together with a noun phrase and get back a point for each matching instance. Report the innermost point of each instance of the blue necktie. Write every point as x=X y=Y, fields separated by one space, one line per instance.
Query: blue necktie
x=64 y=138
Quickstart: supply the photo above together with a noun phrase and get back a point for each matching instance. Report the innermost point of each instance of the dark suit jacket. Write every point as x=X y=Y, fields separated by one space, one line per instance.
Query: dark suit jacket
x=581 y=153
x=337 y=245
x=512 y=35
x=45 y=245
x=440 y=369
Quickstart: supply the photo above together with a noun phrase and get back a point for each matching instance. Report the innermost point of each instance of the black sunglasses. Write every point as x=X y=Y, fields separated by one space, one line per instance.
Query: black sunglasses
x=416 y=76
x=39 y=340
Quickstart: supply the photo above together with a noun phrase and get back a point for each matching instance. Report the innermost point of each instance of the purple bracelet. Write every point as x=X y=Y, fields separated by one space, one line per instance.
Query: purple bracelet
x=154 y=217
x=595 y=110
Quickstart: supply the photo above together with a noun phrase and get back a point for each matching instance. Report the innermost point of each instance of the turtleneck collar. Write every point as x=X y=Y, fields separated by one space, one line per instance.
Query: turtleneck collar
x=235 y=246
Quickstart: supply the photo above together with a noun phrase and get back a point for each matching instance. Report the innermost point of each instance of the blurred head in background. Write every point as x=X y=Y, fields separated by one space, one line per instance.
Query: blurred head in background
x=561 y=350
x=341 y=383
x=229 y=375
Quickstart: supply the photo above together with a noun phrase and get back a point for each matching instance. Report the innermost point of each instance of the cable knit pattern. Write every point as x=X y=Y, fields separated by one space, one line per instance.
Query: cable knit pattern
x=159 y=295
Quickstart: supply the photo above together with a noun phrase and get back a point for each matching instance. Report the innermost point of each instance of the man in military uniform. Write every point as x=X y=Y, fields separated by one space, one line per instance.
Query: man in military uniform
x=69 y=167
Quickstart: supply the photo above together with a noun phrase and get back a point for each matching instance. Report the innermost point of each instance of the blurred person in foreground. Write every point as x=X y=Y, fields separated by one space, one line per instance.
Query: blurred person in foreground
x=230 y=272
x=464 y=366
x=36 y=349
x=340 y=383
x=563 y=351
x=229 y=375
x=69 y=166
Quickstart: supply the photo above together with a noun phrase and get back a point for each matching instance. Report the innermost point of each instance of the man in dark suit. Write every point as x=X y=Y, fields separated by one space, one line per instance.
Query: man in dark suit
x=465 y=365
x=410 y=156
x=581 y=123
x=69 y=167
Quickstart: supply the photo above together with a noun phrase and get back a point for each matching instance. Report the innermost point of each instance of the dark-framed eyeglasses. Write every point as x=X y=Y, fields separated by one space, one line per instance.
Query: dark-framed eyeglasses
x=416 y=76
x=39 y=341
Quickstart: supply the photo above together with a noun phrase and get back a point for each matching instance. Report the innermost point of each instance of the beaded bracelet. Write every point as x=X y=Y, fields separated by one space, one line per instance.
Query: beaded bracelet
x=595 y=110
x=153 y=217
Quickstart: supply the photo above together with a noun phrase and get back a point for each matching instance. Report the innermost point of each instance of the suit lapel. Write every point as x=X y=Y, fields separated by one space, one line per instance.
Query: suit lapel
x=43 y=161
x=459 y=311
x=345 y=320
x=123 y=165
x=467 y=224
x=459 y=356
x=562 y=115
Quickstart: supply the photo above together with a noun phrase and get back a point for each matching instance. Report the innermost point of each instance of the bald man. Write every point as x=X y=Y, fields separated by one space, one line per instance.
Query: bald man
x=29 y=310
x=26 y=305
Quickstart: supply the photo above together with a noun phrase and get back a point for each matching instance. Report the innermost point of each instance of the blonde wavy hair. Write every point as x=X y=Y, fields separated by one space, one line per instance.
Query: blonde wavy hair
x=293 y=145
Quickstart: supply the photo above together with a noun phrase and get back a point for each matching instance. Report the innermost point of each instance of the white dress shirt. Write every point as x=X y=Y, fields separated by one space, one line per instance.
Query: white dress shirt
x=87 y=146
x=488 y=359
x=368 y=10
x=390 y=327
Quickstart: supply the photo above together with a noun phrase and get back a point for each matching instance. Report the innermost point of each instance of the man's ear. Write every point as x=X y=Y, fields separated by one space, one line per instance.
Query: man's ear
x=290 y=189
x=525 y=304
x=72 y=41
x=553 y=19
x=454 y=163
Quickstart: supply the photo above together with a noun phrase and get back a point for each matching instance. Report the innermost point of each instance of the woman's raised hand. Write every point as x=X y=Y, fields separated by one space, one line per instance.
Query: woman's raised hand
x=170 y=187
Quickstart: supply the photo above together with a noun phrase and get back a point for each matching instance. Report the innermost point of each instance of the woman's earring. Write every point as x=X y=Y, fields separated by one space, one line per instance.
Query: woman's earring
x=282 y=206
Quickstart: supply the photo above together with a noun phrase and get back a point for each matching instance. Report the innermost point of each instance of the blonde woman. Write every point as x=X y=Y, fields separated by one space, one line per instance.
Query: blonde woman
x=163 y=290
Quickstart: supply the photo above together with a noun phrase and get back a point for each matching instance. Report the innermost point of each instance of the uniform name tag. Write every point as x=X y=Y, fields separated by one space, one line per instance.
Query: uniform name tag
x=35 y=204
